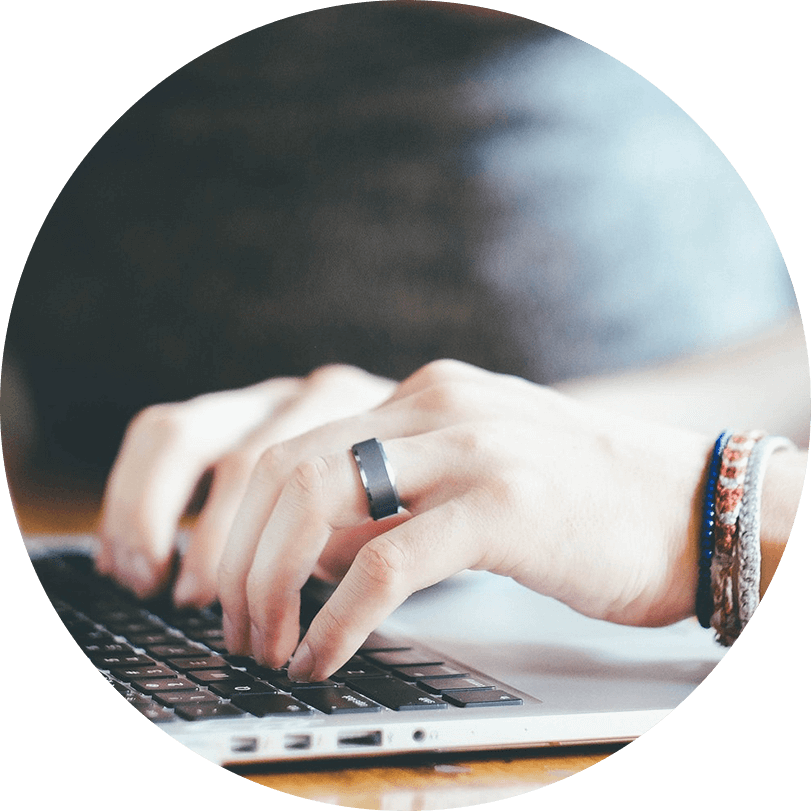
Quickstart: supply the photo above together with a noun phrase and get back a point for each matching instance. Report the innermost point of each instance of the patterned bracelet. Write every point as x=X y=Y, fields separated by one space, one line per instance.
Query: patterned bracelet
x=728 y=497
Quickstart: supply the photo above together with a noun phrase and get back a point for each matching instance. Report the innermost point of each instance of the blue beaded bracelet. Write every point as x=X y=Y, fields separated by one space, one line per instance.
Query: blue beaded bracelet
x=704 y=601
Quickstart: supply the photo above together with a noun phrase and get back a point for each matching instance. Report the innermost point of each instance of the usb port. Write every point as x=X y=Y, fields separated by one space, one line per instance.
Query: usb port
x=297 y=741
x=374 y=738
x=244 y=744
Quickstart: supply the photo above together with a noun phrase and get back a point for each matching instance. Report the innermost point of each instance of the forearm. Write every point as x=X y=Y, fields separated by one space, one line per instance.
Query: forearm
x=782 y=488
x=761 y=383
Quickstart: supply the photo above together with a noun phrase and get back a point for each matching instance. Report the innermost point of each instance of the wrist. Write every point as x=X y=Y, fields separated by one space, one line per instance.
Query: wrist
x=782 y=488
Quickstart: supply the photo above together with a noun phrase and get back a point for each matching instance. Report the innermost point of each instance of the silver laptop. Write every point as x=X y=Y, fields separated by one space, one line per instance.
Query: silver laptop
x=474 y=663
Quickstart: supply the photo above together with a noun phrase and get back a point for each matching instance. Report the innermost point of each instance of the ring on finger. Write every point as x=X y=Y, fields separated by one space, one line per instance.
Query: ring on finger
x=377 y=478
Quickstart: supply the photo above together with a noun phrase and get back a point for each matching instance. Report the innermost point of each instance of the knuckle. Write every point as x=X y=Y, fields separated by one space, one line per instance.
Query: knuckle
x=331 y=623
x=471 y=442
x=310 y=477
x=271 y=462
x=162 y=417
x=165 y=423
x=332 y=374
x=506 y=490
x=382 y=563
x=444 y=397
x=438 y=371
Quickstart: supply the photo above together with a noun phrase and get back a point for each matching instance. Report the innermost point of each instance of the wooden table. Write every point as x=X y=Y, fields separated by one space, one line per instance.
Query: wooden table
x=398 y=783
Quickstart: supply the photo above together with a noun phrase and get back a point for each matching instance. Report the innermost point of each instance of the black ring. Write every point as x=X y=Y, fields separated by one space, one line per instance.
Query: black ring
x=377 y=477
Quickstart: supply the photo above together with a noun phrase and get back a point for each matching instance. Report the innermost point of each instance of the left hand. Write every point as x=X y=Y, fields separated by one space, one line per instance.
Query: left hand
x=589 y=507
x=169 y=447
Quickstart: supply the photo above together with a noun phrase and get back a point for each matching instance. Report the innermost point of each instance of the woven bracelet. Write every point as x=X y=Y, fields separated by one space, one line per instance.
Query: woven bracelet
x=749 y=527
x=704 y=601
x=728 y=499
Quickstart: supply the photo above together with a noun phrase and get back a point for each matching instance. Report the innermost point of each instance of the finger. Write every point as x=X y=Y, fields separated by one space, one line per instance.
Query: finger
x=305 y=409
x=423 y=551
x=323 y=497
x=276 y=467
x=165 y=451
x=318 y=399
x=196 y=584
x=314 y=504
x=147 y=491
x=328 y=394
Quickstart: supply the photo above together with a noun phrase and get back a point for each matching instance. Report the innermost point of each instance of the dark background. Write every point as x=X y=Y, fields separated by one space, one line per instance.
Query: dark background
x=378 y=184
x=294 y=197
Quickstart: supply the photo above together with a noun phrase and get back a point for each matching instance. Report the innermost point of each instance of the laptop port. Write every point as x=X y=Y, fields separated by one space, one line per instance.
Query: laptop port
x=374 y=738
x=298 y=741
x=246 y=743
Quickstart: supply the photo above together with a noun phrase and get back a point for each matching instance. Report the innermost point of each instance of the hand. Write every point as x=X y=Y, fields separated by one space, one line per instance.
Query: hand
x=168 y=448
x=592 y=508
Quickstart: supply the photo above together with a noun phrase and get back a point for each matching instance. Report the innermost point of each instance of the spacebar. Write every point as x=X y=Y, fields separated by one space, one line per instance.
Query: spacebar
x=396 y=695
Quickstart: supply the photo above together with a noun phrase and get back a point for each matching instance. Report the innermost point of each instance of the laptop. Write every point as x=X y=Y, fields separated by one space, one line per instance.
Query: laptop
x=474 y=663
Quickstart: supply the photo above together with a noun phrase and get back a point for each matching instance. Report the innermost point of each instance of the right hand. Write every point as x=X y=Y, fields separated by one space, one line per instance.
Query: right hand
x=168 y=448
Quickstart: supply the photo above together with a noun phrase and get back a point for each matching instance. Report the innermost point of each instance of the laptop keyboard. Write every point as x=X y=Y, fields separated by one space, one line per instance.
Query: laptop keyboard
x=173 y=664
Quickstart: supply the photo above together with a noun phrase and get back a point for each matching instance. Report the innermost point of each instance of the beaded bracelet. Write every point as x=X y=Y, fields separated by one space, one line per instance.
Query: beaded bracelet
x=704 y=600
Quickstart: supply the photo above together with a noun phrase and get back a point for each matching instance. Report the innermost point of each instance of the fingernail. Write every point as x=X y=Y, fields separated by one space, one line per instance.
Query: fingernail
x=302 y=664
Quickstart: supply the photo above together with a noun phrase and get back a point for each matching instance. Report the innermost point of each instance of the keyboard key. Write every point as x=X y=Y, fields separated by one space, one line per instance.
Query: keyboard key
x=155 y=638
x=271 y=704
x=235 y=687
x=94 y=649
x=154 y=712
x=450 y=685
x=378 y=642
x=417 y=672
x=242 y=661
x=142 y=672
x=206 y=635
x=195 y=712
x=125 y=691
x=334 y=700
x=356 y=668
x=481 y=698
x=127 y=629
x=280 y=680
x=91 y=635
x=174 y=650
x=198 y=663
x=403 y=657
x=121 y=660
x=193 y=622
x=185 y=698
x=220 y=674
x=395 y=694
x=152 y=686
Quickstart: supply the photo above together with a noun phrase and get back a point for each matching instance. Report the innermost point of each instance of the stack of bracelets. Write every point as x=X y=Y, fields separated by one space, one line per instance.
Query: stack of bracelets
x=729 y=557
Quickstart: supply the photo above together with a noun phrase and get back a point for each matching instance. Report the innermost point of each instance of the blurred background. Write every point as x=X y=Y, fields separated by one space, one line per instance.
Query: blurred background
x=378 y=184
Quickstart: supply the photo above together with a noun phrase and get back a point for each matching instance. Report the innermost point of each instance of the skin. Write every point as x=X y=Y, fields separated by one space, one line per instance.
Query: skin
x=575 y=494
